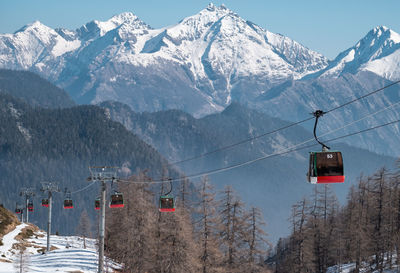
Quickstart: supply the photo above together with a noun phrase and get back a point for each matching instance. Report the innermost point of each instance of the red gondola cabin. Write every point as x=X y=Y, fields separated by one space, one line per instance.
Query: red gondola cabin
x=117 y=200
x=30 y=207
x=167 y=203
x=97 y=204
x=68 y=204
x=45 y=203
x=326 y=167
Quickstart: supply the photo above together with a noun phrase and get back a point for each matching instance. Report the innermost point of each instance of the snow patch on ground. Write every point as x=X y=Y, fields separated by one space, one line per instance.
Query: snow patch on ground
x=25 y=132
x=6 y=250
x=69 y=255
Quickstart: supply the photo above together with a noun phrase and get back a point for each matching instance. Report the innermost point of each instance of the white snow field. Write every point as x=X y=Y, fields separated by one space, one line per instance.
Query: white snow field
x=348 y=268
x=69 y=255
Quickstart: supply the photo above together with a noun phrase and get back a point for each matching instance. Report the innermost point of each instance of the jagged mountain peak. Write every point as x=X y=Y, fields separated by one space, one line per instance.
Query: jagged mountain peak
x=211 y=55
x=35 y=26
x=213 y=7
x=208 y=16
x=125 y=18
x=32 y=45
x=219 y=33
x=385 y=32
x=378 y=30
x=378 y=52
x=95 y=29
x=380 y=36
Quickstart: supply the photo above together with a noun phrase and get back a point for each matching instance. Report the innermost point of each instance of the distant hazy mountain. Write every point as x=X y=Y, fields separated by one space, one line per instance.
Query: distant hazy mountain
x=296 y=100
x=272 y=184
x=33 y=89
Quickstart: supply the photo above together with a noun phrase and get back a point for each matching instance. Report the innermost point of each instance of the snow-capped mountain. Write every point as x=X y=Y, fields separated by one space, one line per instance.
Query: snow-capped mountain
x=377 y=52
x=370 y=65
x=205 y=62
x=32 y=46
x=199 y=65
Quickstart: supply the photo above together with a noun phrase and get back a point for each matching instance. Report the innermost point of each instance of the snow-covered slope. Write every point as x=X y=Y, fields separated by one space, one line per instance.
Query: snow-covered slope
x=199 y=65
x=377 y=52
x=67 y=254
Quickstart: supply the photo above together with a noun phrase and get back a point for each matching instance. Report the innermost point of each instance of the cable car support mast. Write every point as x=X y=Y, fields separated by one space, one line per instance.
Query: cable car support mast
x=102 y=174
x=50 y=187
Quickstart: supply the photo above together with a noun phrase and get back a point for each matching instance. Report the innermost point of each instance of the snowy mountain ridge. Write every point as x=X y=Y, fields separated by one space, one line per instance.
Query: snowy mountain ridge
x=199 y=65
x=211 y=54
x=377 y=52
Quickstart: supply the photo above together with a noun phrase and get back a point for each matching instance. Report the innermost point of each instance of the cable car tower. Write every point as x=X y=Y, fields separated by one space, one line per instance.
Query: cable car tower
x=325 y=166
x=49 y=187
x=102 y=174
x=28 y=193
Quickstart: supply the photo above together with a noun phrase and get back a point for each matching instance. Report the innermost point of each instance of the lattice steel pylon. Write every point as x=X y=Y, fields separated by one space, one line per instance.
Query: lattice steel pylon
x=102 y=174
x=49 y=187
x=28 y=193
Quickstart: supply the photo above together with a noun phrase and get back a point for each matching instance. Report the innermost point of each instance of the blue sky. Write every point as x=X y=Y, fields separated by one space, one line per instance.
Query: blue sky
x=326 y=26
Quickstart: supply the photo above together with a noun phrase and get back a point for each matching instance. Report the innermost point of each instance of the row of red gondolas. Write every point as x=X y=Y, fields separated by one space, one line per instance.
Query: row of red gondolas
x=166 y=203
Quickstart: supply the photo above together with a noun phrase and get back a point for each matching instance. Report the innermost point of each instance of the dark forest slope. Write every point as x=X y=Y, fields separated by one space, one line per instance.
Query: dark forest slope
x=33 y=89
x=59 y=145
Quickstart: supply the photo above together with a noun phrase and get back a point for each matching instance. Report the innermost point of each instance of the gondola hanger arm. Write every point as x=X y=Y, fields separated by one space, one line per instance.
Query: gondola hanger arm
x=170 y=186
x=317 y=114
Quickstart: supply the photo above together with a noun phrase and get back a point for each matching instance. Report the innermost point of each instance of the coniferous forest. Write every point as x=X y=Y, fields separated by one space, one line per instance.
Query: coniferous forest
x=364 y=232
x=209 y=231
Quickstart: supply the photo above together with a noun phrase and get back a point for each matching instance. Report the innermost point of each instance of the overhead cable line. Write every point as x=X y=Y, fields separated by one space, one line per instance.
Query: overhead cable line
x=79 y=190
x=285 y=151
x=292 y=149
x=241 y=142
x=363 y=96
x=84 y=188
x=279 y=129
x=271 y=132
